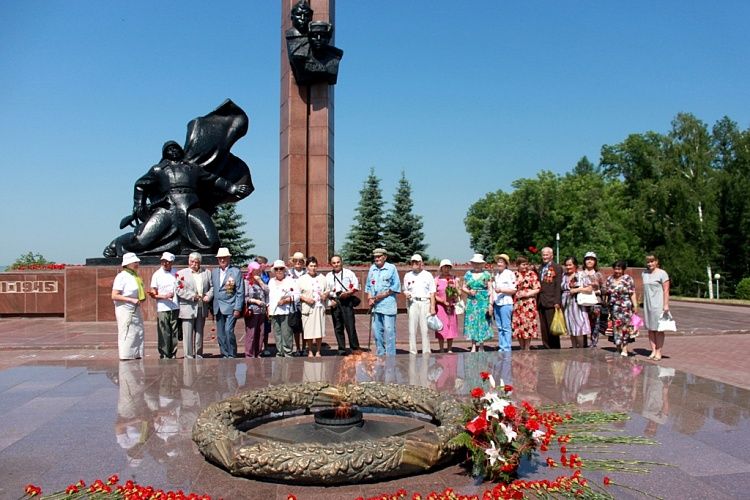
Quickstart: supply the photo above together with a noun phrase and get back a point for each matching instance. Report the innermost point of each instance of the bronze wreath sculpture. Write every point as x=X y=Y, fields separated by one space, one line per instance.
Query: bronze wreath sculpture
x=218 y=438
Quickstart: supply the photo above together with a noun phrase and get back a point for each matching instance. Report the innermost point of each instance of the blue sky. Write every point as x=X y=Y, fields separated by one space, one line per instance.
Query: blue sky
x=463 y=97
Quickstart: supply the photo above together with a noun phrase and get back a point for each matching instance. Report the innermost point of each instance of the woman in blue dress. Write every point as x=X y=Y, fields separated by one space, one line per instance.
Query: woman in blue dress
x=477 y=322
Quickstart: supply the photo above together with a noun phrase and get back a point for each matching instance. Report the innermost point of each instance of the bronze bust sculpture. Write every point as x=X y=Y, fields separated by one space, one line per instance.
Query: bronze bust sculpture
x=311 y=56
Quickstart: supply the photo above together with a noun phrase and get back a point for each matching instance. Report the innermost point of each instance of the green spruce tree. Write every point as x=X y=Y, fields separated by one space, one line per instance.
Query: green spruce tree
x=403 y=235
x=229 y=223
x=366 y=233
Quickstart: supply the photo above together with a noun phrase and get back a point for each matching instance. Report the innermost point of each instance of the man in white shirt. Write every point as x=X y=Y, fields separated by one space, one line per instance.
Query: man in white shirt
x=419 y=289
x=344 y=298
x=163 y=283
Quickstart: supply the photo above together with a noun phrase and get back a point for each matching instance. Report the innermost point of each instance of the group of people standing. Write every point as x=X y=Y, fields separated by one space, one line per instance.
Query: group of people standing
x=183 y=301
x=292 y=302
x=524 y=303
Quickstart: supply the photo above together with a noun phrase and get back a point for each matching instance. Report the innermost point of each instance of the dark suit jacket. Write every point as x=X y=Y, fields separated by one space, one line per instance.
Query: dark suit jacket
x=225 y=302
x=551 y=292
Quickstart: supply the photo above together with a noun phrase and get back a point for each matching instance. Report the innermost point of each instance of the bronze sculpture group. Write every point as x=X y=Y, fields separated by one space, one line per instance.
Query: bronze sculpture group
x=173 y=202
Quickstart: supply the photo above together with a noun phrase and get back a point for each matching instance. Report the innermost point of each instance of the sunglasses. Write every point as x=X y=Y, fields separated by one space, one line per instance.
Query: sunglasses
x=279 y=269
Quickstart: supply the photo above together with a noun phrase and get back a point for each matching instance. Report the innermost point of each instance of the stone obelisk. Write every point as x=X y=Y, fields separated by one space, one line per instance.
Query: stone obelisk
x=306 y=154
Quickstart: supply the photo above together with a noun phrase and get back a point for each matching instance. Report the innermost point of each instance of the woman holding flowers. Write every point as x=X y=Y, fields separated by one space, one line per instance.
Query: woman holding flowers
x=622 y=305
x=446 y=295
x=477 y=286
x=525 y=320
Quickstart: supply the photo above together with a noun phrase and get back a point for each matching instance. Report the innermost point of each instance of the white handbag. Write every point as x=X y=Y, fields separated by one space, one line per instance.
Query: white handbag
x=666 y=323
x=586 y=299
x=460 y=306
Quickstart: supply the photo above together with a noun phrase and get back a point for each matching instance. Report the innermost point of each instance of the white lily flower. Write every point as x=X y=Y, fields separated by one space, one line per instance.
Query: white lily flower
x=537 y=435
x=494 y=454
x=496 y=405
x=490 y=397
x=509 y=432
x=492 y=381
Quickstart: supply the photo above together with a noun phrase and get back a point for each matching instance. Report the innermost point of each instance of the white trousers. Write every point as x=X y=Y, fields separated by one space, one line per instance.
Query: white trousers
x=418 y=312
x=130 y=336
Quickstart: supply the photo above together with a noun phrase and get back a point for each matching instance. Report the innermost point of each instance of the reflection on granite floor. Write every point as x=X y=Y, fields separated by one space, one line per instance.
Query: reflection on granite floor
x=88 y=419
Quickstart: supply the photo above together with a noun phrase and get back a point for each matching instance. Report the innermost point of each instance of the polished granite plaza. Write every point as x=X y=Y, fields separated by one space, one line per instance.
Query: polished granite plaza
x=89 y=416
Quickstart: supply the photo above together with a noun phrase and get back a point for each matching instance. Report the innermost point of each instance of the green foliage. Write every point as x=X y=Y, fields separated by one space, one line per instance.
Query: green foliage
x=681 y=195
x=29 y=259
x=366 y=232
x=402 y=234
x=743 y=289
x=229 y=223
x=732 y=162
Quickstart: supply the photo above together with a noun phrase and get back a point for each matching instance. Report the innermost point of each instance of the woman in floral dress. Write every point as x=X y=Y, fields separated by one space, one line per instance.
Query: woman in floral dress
x=622 y=305
x=477 y=282
x=576 y=317
x=445 y=302
x=525 y=320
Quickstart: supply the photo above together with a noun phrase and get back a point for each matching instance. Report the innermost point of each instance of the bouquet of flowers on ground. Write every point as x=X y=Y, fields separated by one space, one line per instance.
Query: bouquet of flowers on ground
x=498 y=433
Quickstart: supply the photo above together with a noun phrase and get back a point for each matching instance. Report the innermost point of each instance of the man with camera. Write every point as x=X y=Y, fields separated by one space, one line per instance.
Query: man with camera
x=344 y=287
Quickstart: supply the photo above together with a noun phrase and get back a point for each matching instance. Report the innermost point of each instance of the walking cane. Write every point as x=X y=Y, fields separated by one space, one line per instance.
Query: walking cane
x=369 y=331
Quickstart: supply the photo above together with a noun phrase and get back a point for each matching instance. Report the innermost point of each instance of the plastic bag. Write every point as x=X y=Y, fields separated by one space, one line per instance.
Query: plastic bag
x=558 y=327
x=636 y=321
x=434 y=323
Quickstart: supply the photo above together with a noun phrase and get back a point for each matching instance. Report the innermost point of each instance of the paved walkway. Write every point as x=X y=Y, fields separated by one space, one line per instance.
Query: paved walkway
x=710 y=340
x=71 y=410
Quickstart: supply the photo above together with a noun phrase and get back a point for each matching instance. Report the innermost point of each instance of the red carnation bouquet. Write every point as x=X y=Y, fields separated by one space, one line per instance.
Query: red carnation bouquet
x=498 y=432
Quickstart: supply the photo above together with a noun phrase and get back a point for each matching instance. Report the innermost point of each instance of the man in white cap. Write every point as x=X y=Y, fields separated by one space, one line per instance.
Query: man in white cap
x=382 y=286
x=419 y=289
x=163 y=284
x=229 y=297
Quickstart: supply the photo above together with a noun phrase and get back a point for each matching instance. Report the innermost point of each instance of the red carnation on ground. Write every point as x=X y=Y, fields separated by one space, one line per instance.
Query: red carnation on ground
x=510 y=412
x=477 y=392
x=485 y=375
x=478 y=424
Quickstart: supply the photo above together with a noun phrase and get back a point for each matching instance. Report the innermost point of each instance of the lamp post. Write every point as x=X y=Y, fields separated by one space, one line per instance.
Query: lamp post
x=557 y=248
x=717 y=277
